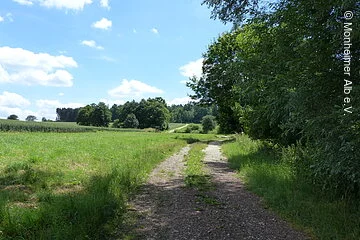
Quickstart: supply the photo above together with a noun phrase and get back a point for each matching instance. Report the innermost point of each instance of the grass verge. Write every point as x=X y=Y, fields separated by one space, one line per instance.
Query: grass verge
x=195 y=174
x=269 y=176
x=197 y=177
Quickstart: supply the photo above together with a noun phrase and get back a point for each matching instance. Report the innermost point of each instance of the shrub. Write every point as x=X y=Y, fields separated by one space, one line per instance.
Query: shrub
x=208 y=123
x=131 y=121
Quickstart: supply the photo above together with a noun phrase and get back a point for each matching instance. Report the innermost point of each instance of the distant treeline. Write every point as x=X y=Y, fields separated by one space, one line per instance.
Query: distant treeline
x=146 y=113
x=67 y=114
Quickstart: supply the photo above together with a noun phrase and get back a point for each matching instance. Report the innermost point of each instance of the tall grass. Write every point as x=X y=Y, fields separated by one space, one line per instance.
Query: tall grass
x=271 y=176
x=73 y=185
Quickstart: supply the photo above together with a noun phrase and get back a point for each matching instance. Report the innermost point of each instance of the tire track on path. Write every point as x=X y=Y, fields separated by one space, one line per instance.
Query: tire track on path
x=166 y=209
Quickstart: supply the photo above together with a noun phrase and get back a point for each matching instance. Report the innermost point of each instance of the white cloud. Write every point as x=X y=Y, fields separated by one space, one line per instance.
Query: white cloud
x=12 y=103
x=105 y=4
x=177 y=101
x=47 y=108
x=133 y=89
x=192 y=68
x=4 y=76
x=61 y=94
x=24 y=2
x=18 y=65
x=104 y=23
x=155 y=31
x=8 y=99
x=60 y=4
x=65 y=4
x=53 y=104
x=134 y=31
x=111 y=102
x=92 y=44
x=8 y=17
x=21 y=113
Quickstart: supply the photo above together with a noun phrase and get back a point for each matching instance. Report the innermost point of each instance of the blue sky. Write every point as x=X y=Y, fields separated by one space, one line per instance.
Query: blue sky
x=69 y=53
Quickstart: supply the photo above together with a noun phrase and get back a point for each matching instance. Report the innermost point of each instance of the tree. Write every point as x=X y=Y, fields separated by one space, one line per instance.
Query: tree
x=115 y=109
x=153 y=113
x=131 y=121
x=116 y=123
x=278 y=76
x=126 y=109
x=216 y=86
x=98 y=115
x=13 y=117
x=84 y=115
x=67 y=114
x=30 y=118
x=208 y=123
x=101 y=115
x=233 y=10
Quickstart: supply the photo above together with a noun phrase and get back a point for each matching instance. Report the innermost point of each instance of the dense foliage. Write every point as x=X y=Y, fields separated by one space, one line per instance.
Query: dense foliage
x=208 y=123
x=283 y=77
x=97 y=115
x=67 y=114
x=150 y=113
x=190 y=112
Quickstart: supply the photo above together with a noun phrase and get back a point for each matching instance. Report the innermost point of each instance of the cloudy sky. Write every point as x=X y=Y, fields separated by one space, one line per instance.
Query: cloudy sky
x=69 y=53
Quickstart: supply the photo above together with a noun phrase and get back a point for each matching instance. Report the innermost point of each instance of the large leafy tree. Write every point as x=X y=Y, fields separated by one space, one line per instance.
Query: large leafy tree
x=216 y=86
x=84 y=115
x=281 y=75
x=153 y=113
x=101 y=115
x=98 y=115
x=128 y=108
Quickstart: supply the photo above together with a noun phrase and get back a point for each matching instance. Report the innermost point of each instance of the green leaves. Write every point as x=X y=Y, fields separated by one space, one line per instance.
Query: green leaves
x=280 y=77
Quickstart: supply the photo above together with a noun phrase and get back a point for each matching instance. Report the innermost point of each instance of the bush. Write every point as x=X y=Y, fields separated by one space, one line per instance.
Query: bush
x=116 y=124
x=131 y=121
x=208 y=123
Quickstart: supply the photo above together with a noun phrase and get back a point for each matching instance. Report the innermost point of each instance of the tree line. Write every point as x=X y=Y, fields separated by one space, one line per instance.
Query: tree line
x=279 y=75
x=150 y=113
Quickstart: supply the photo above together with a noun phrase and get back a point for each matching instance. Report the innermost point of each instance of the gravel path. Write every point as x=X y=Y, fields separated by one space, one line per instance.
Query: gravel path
x=166 y=209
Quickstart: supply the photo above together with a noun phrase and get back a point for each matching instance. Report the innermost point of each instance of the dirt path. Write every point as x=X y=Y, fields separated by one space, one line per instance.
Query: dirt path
x=166 y=209
x=173 y=130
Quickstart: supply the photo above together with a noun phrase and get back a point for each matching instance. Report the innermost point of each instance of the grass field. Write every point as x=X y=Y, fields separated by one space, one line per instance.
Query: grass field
x=74 y=185
x=265 y=173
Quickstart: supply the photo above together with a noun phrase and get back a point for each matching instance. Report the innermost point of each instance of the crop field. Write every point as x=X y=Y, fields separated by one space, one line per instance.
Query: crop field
x=74 y=185
x=22 y=126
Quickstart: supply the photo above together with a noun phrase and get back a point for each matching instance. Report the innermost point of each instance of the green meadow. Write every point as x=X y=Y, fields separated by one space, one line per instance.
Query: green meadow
x=75 y=185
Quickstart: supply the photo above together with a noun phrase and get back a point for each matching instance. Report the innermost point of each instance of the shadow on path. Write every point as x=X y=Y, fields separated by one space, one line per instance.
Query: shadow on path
x=169 y=210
